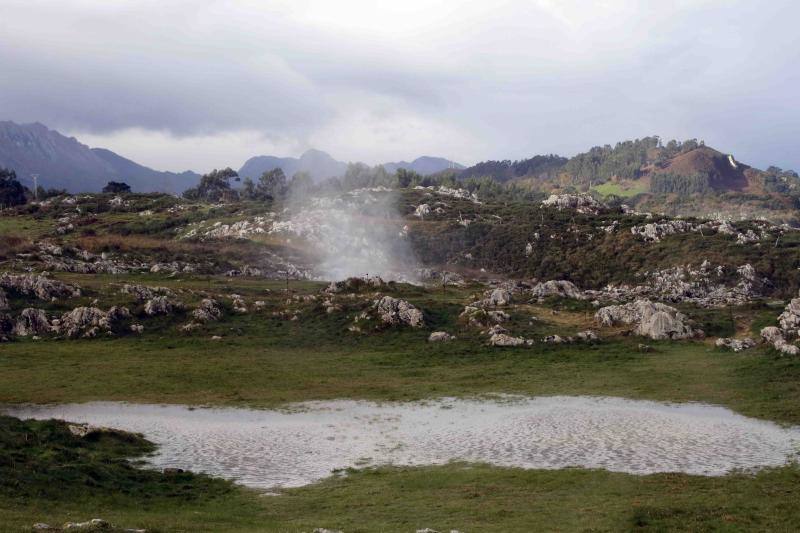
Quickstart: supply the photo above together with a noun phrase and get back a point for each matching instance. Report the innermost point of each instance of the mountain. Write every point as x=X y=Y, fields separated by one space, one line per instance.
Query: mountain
x=64 y=163
x=424 y=165
x=317 y=163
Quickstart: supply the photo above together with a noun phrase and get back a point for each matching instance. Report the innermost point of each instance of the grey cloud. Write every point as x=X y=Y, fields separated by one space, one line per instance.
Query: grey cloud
x=524 y=78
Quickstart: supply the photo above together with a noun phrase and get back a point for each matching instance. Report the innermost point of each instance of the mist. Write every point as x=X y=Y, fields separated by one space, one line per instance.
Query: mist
x=355 y=234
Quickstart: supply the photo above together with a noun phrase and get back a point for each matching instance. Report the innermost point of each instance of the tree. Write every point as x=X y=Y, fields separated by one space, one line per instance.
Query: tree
x=301 y=185
x=406 y=177
x=248 y=189
x=11 y=191
x=213 y=187
x=117 y=187
x=272 y=184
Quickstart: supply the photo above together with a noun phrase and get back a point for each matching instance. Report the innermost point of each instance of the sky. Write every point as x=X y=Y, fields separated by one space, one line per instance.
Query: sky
x=201 y=84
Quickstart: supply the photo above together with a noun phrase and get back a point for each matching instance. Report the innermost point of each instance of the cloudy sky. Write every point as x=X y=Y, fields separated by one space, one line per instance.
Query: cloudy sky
x=179 y=84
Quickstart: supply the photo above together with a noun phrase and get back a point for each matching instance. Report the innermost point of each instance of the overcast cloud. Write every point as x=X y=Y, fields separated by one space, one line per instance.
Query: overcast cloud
x=197 y=84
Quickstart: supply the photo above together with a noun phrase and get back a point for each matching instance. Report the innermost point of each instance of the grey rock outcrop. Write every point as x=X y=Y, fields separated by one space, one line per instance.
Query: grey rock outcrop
x=161 y=305
x=560 y=288
x=209 y=310
x=505 y=340
x=39 y=285
x=789 y=320
x=143 y=293
x=653 y=320
x=440 y=336
x=582 y=203
x=735 y=345
x=394 y=311
x=32 y=321
x=774 y=336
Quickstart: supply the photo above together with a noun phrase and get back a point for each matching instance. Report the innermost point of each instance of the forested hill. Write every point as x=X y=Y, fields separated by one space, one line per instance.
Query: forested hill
x=673 y=167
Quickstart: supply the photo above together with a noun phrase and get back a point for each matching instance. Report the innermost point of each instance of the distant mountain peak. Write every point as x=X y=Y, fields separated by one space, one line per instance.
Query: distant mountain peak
x=63 y=162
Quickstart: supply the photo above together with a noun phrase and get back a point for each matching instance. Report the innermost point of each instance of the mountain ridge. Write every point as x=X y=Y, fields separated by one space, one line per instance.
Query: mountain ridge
x=63 y=162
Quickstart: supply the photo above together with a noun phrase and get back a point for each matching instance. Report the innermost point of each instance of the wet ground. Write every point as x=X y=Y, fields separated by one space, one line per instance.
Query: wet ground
x=262 y=448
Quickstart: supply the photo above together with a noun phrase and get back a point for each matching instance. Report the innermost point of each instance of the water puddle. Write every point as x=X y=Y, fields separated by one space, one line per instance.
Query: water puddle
x=266 y=449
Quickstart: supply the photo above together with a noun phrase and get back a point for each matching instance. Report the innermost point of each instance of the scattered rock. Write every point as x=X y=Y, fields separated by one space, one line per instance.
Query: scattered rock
x=394 y=311
x=654 y=320
x=587 y=336
x=161 y=305
x=503 y=339
x=440 y=336
x=736 y=345
x=32 y=322
x=40 y=286
x=209 y=310
x=143 y=293
x=137 y=328
x=560 y=288
x=582 y=203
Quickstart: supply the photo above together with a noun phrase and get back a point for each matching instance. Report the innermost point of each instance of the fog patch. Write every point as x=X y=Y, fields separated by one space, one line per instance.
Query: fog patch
x=354 y=234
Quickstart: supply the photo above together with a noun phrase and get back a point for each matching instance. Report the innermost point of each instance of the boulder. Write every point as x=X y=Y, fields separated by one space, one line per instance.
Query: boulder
x=789 y=320
x=554 y=339
x=143 y=293
x=654 y=320
x=4 y=301
x=81 y=319
x=586 y=336
x=560 y=288
x=503 y=339
x=736 y=345
x=582 y=203
x=440 y=336
x=40 y=286
x=161 y=305
x=499 y=297
x=772 y=334
x=394 y=311
x=422 y=210
x=209 y=310
x=32 y=322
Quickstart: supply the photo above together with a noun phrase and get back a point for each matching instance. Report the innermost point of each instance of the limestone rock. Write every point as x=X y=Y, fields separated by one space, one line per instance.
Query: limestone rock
x=32 y=322
x=503 y=339
x=586 y=336
x=209 y=310
x=789 y=320
x=499 y=297
x=394 y=311
x=143 y=293
x=440 y=336
x=560 y=288
x=772 y=334
x=161 y=305
x=654 y=320
x=40 y=286
x=736 y=345
x=82 y=319
x=582 y=203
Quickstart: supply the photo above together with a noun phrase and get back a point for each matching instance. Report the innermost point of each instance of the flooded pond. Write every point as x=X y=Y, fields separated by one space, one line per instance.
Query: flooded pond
x=263 y=448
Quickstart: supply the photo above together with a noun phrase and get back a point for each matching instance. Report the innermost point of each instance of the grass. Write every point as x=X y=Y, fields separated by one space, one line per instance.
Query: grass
x=257 y=371
x=623 y=190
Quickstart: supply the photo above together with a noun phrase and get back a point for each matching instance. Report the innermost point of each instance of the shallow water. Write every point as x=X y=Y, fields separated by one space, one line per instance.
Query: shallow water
x=264 y=449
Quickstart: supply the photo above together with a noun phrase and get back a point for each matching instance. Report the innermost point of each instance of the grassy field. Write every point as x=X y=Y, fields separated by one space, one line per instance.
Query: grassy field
x=623 y=190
